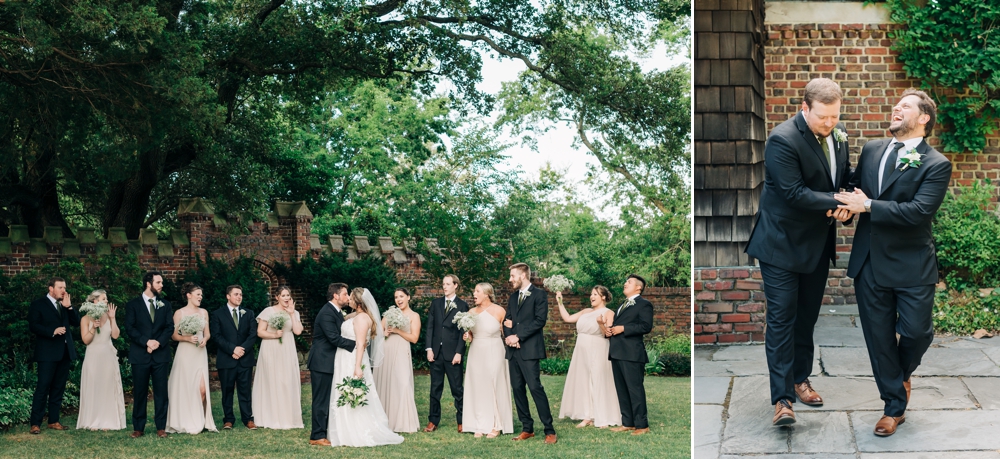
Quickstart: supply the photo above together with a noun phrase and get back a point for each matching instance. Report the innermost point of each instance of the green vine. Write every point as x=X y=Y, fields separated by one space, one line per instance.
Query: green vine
x=951 y=45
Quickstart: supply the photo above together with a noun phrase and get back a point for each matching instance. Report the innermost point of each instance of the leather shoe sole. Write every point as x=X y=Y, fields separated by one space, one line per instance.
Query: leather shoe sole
x=251 y=425
x=58 y=426
x=887 y=425
x=622 y=429
x=227 y=426
x=640 y=431
x=523 y=436
x=35 y=430
x=430 y=427
x=320 y=442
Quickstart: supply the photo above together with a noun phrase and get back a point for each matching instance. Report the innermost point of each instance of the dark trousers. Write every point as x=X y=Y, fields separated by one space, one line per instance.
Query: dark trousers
x=793 y=302
x=884 y=312
x=631 y=393
x=322 y=383
x=52 y=377
x=231 y=379
x=141 y=375
x=440 y=368
x=528 y=372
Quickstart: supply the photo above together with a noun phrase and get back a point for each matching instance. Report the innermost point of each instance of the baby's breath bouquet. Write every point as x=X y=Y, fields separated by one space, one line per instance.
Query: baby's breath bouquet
x=465 y=320
x=558 y=283
x=353 y=391
x=94 y=311
x=191 y=324
x=277 y=322
x=395 y=318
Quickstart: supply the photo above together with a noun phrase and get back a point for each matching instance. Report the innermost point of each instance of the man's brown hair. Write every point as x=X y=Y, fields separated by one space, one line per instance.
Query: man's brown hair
x=334 y=289
x=822 y=90
x=523 y=267
x=926 y=105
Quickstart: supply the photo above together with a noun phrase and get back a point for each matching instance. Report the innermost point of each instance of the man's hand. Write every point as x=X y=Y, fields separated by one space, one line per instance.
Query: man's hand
x=512 y=340
x=59 y=331
x=238 y=352
x=457 y=360
x=841 y=215
x=430 y=355
x=65 y=301
x=854 y=202
x=153 y=344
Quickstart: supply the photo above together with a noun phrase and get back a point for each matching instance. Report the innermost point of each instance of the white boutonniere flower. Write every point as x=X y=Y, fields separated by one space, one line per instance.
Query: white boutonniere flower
x=527 y=293
x=839 y=135
x=159 y=304
x=630 y=302
x=910 y=158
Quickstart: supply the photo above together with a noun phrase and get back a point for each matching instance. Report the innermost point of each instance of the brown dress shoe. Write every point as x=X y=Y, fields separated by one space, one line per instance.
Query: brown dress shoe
x=57 y=426
x=622 y=429
x=550 y=439
x=524 y=436
x=460 y=428
x=807 y=395
x=906 y=385
x=227 y=425
x=251 y=425
x=137 y=433
x=35 y=430
x=640 y=431
x=783 y=414
x=887 y=425
x=320 y=442
x=430 y=427
x=161 y=433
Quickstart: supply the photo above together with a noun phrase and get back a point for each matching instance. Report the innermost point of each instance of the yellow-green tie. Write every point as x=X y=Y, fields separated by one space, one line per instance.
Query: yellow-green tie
x=236 y=320
x=152 y=311
x=826 y=149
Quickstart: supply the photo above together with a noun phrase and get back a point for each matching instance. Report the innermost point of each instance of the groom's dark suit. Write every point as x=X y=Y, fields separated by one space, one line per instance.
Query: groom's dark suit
x=793 y=240
x=145 y=365
x=628 y=360
x=326 y=340
x=234 y=373
x=444 y=339
x=54 y=354
x=894 y=264
x=528 y=319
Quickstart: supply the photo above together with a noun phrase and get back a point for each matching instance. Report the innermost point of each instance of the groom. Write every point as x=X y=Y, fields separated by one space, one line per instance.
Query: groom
x=899 y=185
x=149 y=323
x=326 y=340
x=527 y=312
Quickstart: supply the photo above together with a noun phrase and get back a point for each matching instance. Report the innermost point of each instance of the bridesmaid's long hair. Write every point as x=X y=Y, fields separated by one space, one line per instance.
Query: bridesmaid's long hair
x=359 y=305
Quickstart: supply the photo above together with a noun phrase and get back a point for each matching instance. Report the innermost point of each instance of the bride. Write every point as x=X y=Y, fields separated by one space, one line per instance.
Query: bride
x=365 y=425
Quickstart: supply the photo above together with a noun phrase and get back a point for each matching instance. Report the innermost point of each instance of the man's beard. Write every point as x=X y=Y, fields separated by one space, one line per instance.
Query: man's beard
x=905 y=128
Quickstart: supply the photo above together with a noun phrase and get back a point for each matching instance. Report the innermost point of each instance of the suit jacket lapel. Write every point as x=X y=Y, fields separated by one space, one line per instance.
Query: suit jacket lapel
x=872 y=168
x=896 y=172
x=810 y=139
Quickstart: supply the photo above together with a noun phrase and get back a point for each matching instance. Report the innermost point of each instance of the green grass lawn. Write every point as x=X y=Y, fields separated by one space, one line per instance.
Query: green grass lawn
x=669 y=403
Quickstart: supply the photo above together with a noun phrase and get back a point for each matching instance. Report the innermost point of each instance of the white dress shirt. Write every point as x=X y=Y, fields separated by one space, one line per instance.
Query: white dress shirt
x=907 y=145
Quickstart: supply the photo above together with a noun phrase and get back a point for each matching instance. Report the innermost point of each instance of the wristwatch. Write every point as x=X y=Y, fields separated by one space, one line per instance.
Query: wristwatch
x=868 y=205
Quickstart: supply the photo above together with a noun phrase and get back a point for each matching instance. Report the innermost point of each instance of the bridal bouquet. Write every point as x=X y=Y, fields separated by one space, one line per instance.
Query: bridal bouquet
x=464 y=320
x=557 y=283
x=395 y=318
x=277 y=322
x=353 y=391
x=191 y=324
x=94 y=311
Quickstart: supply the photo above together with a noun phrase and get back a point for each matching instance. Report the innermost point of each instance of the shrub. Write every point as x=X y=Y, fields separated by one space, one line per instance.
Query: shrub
x=967 y=237
x=962 y=313
x=555 y=366
x=15 y=407
x=669 y=355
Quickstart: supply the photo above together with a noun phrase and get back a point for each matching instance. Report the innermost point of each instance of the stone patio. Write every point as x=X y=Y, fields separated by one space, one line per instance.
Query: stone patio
x=954 y=412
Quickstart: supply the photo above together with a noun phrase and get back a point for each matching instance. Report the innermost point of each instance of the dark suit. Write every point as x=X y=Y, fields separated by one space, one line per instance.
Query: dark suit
x=894 y=264
x=444 y=339
x=145 y=365
x=628 y=360
x=326 y=340
x=234 y=373
x=54 y=355
x=794 y=241
x=528 y=320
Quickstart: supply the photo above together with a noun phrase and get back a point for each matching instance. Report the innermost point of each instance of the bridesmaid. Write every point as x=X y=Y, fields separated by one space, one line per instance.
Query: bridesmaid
x=190 y=410
x=277 y=386
x=394 y=378
x=589 y=393
x=102 y=400
x=487 y=407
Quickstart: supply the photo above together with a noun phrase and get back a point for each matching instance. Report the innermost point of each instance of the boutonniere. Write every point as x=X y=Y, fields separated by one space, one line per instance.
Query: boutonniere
x=159 y=304
x=839 y=135
x=343 y=313
x=910 y=159
x=527 y=293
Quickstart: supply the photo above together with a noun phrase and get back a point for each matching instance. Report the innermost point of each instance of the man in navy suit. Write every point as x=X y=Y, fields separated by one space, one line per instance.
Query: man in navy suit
x=445 y=347
x=49 y=318
x=633 y=320
x=149 y=323
x=235 y=333
x=326 y=340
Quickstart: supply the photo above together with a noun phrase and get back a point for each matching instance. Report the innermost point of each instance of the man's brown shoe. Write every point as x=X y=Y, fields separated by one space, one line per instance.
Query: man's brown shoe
x=57 y=426
x=137 y=433
x=161 y=433
x=550 y=439
x=641 y=431
x=251 y=425
x=35 y=430
x=783 y=414
x=430 y=427
x=524 y=436
x=227 y=425
x=622 y=429
x=460 y=428
x=906 y=385
x=320 y=442
x=887 y=425
x=804 y=391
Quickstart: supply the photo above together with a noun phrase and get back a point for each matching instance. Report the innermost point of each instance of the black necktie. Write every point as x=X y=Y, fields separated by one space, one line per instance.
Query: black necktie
x=890 y=164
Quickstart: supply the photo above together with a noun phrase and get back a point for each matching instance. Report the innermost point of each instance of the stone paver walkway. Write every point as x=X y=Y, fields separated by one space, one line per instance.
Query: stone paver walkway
x=954 y=412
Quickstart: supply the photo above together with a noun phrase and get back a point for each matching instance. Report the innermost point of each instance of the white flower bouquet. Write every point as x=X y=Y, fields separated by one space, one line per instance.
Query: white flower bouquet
x=395 y=318
x=353 y=392
x=278 y=321
x=191 y=324
x=557 y=283
x=94 y=311
x=465 y=320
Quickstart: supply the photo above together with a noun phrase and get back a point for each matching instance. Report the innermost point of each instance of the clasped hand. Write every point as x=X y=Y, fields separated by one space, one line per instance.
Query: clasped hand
x=841 y=215
x=853 y=202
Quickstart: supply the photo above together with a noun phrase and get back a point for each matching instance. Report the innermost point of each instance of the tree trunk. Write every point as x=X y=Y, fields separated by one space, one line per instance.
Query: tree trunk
x=128 y=200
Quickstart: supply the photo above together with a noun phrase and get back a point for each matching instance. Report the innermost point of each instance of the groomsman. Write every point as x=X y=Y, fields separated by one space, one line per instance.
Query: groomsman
x=627 y=353
x=49 y=318
x=899 y=185
x=235 y=333
x=527 y=312
x=805 y=163
x=149 y=323
x=445 y=347
x=322 y=355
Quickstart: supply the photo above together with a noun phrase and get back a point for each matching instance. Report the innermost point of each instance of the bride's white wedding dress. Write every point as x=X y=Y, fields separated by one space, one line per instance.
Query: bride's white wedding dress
x=365 y=425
